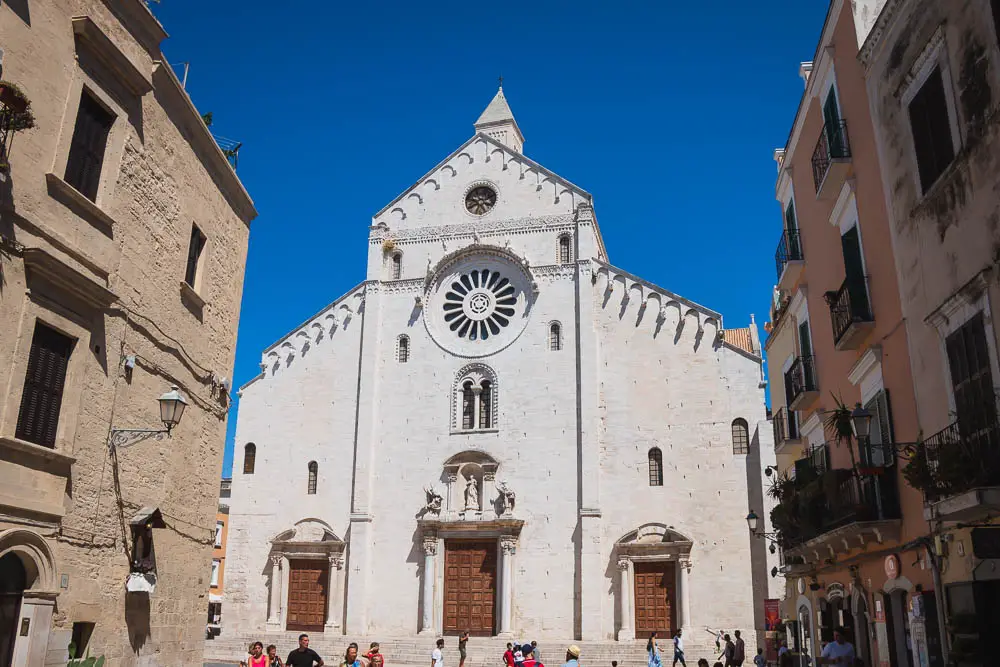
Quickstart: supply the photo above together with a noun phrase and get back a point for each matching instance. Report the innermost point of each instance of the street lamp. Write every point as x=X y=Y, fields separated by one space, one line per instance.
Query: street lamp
x=861 y=422
x=753 y=521
x=172 y=406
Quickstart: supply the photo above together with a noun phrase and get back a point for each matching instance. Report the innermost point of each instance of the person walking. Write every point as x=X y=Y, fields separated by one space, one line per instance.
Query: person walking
x=463 y=639
x=508 y=655
x=572 y=656
x=272 y=657
x=838 y=652
x=728 y=651
x=351 y=656
x=679 y=648
x=303 y=656
x=255 y=656
x=653 y=652
x=437 y=655
x=739 y=650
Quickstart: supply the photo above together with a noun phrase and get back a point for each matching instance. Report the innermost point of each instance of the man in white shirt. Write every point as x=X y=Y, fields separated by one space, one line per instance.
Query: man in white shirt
x=437 y=658
x=679 y=649
x=838 y=652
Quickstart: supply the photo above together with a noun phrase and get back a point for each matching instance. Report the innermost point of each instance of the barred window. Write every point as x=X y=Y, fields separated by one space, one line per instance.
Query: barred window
x=555 y=336
x=403 y=350
x=655 y=467
x=249 y=458
x=397 y=266
x=565 y=250
x=741 y=437
x=313 y=470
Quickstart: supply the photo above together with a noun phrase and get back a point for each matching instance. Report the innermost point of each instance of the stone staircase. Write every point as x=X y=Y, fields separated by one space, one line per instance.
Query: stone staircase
x=231 y=647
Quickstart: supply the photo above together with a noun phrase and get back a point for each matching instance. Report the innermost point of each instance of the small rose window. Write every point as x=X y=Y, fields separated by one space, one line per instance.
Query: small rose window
x=480 y=200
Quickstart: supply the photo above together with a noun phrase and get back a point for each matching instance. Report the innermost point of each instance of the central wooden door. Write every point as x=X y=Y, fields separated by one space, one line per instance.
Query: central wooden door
x=470 y=574
x=654 y=598
x=307 y=582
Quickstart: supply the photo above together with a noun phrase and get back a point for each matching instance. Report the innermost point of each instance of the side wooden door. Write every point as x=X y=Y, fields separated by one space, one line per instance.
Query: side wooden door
x=307 y=582
x=654 y=598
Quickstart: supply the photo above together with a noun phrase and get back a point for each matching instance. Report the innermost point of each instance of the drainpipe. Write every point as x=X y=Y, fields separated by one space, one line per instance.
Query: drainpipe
x=938 y=598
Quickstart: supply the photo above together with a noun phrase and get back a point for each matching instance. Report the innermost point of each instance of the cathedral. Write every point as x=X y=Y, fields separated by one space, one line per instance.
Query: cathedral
x=498 y=431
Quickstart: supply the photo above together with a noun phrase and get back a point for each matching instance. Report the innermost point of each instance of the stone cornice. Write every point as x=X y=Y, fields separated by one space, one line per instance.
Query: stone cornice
x=649 y=288
x=136 y=80
x=885 y=19
x=378 y=233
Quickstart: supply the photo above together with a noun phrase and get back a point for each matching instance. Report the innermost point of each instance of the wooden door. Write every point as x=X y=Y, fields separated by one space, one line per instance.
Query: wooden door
x=654 y=598
x=470 y=587
x=307 y=582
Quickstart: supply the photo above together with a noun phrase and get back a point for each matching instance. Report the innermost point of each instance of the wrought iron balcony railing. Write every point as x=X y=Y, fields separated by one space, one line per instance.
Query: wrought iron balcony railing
x=833 y=145
x=785 y=427
x=849 y=307
x=961 y=457
x=789 y=250
x=800 y=379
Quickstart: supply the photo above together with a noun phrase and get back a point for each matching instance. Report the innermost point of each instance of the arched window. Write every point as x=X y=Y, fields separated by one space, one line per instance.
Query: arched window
x=486 y=405
x=565 y=249
x=403 y=350
x=555 y=336
x=655 y=467
x=249 y=458
x=468 y=406
x=741 y=436
x=397 y=266
x=313 y=470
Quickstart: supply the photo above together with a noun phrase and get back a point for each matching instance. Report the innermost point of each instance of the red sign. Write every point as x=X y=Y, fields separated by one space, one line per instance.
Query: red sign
x=892 y=566
x=772 y=614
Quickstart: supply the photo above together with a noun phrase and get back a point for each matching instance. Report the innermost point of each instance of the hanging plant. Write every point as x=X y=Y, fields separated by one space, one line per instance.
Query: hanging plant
x=13 y=97
x=838 y=422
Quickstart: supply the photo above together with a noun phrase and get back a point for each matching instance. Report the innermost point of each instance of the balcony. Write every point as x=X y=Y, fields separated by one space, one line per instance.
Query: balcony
x=788 y=259
x=831 y=160
x=786 y=431
x=850 y=314
x=958 y=469
x=830 y=512
x=800 y=383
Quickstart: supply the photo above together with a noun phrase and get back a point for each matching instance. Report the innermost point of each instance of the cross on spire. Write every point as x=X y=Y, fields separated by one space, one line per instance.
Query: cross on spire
x=501 y=82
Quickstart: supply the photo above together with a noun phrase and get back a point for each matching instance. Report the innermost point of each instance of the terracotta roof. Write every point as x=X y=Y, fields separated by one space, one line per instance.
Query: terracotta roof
x=740 y=338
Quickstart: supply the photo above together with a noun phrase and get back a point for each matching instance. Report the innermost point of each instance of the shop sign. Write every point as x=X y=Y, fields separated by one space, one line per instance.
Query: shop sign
x=986 y=542
x=892 y=566
x=772 y=614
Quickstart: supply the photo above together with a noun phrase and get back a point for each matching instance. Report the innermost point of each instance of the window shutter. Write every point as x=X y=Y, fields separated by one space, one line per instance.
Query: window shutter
x=972 y=379
x=86 y=152
x=931 y=130
x=38 y=417
x=195 y=247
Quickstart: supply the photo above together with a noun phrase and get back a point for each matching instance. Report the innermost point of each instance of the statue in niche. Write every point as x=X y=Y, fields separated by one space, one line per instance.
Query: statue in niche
x=472 y=494
x=507 y=498
x=434 y=501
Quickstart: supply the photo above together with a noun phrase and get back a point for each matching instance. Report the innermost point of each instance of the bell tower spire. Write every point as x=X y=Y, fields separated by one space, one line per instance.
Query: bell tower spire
x=497 y=122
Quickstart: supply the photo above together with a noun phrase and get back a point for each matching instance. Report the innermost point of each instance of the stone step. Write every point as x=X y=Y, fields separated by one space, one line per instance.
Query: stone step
x=231 y=647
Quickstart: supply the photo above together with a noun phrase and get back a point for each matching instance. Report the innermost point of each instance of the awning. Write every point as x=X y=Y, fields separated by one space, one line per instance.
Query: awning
x=148 y=516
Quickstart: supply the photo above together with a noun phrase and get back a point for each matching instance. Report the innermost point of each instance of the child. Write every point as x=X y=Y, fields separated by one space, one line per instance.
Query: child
x=759 y=660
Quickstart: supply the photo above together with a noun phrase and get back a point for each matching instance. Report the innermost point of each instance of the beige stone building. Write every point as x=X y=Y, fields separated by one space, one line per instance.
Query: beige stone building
x=933 y=76
x=123 y=240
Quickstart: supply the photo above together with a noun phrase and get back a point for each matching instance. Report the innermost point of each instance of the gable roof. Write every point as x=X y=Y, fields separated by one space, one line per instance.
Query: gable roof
x=740 y=338
x=497 y=111
x=483 y=137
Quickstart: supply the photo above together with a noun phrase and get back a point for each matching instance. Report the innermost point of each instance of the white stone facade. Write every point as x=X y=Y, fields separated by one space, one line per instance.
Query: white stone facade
x=569 y=430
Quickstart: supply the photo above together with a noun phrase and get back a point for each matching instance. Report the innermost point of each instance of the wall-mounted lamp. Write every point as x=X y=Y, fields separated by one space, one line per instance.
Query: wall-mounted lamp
x=172 y=406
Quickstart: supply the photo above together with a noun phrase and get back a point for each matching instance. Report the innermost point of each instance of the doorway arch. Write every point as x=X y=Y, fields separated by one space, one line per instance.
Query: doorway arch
x=13 y=581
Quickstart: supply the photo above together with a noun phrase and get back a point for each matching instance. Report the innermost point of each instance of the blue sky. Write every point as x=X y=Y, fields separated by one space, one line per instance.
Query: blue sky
x=667 y=112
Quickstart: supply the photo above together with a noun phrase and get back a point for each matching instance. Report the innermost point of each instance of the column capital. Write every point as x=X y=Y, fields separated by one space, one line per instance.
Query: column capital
x=430 y=546
x=508 y=543
x=453 y=477
x=489 y=476
x=336 y=561
x=276 y=560
x=623 y=563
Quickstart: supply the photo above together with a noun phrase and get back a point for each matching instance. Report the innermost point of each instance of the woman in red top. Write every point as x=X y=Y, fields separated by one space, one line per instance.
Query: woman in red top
x=256 y=657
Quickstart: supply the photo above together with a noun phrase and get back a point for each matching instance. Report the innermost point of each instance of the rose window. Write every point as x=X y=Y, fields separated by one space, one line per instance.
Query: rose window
x=479 y=304
x=480 y=200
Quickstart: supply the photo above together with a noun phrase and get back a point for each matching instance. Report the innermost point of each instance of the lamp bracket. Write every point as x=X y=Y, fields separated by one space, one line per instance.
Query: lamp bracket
x=120 y=438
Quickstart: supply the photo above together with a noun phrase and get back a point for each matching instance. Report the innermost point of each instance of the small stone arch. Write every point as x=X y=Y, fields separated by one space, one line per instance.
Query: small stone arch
x=35 y=555
x=468 y=466
x=477 y=373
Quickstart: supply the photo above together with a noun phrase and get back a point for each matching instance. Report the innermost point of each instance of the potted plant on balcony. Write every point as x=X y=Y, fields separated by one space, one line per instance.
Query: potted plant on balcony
x=13 y=97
